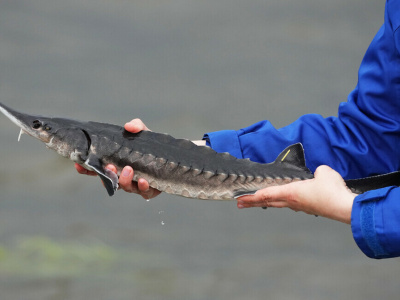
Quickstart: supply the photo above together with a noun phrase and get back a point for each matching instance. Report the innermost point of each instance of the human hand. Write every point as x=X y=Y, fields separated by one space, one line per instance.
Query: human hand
x=126 y=177
x=325 y=195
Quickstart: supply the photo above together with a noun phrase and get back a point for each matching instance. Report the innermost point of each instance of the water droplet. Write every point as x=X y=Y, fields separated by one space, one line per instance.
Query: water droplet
x=160 y=212
x=147 y=200
x=162 y=223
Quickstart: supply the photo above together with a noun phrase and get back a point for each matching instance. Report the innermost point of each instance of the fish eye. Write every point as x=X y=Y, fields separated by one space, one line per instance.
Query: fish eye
x=36 y=124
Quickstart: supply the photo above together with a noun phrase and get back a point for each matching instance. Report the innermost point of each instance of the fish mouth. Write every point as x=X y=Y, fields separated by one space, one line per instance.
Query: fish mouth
x=23 y=121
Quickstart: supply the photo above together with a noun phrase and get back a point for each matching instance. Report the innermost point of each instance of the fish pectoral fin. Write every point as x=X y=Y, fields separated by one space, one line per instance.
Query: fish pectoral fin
x=109 y=178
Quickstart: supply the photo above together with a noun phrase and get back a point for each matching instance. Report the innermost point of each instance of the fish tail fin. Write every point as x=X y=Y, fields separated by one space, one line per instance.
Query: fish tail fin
x=363 y=185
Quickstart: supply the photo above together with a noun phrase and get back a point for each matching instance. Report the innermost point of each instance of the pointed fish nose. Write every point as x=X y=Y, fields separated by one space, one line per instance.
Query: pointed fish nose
x=22 y=120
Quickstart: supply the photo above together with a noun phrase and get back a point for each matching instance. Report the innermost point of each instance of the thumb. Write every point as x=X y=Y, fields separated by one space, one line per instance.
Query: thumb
x=135 y=126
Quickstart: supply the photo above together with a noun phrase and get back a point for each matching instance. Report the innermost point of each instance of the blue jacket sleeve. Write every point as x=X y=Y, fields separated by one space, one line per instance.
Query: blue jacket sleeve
x=375 y=222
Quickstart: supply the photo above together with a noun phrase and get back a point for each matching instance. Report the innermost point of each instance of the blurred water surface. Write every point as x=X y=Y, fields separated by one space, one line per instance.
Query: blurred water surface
x=184 y=67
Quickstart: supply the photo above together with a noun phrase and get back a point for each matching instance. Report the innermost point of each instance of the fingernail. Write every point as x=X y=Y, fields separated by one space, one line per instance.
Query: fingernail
x=126 y=172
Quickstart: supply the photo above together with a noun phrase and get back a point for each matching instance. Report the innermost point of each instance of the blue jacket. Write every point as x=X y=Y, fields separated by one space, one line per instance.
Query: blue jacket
x=363 y=140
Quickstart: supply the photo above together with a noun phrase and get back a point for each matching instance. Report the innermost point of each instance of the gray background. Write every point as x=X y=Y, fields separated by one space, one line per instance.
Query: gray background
x=184 y=67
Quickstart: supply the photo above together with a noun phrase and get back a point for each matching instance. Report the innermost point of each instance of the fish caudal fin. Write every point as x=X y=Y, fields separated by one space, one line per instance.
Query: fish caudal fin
x=363 y=185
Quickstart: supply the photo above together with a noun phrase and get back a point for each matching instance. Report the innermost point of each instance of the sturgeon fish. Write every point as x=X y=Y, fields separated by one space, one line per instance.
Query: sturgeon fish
x=174 y=166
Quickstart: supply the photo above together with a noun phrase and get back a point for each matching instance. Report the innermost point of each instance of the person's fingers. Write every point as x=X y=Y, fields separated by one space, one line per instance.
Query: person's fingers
x=82 y=170
x=125 y=180
x=145 y=190
x=325 y=195
x=269 y=197
x=276 y=204
x=141 y=187
x=112 y=168
x=136 y=125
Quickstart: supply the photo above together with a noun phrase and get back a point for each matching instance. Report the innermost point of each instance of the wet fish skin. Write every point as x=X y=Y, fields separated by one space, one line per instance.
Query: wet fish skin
x=178 y=166
x=175 y=166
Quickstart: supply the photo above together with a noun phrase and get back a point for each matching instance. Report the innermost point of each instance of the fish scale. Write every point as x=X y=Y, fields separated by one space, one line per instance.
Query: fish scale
x=175 y=178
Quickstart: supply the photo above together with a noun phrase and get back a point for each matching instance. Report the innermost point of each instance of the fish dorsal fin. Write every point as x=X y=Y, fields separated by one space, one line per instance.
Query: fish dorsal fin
x=294 y=156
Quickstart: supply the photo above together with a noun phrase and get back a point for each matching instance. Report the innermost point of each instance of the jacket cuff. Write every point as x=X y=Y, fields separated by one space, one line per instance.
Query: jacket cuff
x=366 y=219
x=224 y=141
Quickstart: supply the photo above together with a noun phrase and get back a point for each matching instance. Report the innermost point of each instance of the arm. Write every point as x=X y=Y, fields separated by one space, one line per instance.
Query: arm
x=367 y=128
x=344 y=143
